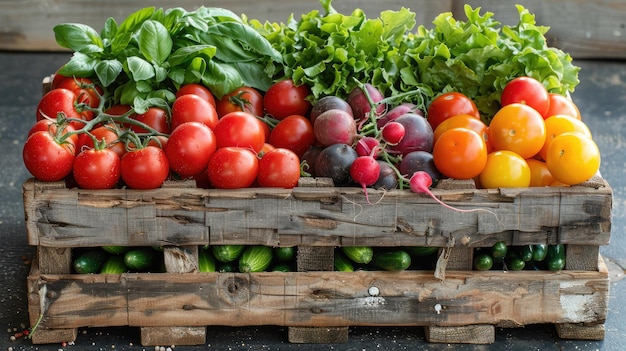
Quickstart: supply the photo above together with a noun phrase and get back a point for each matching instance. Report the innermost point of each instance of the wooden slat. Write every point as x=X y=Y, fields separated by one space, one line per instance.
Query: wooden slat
x=320 y=299
x=59 y=217
x=28 y=24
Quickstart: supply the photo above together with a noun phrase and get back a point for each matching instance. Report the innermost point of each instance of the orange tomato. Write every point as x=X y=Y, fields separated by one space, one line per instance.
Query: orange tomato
x=464 y=121
x=573 y=158
x=539 y=173
x=448 y=105
x=561 y=105
x=460 y=153
x=519 y=128
x=505 y=169
x=559 y=124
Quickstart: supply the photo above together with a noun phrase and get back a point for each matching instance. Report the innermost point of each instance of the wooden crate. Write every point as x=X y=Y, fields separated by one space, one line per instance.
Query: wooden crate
x=454 y=305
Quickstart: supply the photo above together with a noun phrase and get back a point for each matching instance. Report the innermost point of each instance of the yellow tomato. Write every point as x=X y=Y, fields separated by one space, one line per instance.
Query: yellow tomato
x=519 y=128
x=539 y=173
x=559 y=124
x=573 y=158
x=505 y=169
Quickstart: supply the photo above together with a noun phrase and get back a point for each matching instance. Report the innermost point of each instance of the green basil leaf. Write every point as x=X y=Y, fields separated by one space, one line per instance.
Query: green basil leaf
x=80 y=65
x=155 y=42
x=78 y=37
x=160 y=73
x=109 y=30
x=134 y=21
x=249 y=38
x=186 y=53
x=221 y=78
x=108 y=71
x=119 y=43
x=139 y=68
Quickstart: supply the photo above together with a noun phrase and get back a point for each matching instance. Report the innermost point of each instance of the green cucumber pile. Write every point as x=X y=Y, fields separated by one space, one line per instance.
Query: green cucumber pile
x=259 y=258
x=523 y=257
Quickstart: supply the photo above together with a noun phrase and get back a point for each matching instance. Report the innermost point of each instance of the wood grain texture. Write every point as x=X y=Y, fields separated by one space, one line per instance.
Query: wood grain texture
x=320 y=299
x=314 y=216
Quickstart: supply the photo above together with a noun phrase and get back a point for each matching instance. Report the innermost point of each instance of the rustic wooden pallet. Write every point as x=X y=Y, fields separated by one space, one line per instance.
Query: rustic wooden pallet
x=454 y=305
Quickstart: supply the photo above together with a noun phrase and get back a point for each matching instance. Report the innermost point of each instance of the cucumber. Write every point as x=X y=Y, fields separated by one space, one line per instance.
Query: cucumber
x=89 y=261
x=540 y=252
x=514 y=262
x=342 y=263
x=206 y=261
x=483 y=262
x=114 y=265
x=396 y=260
x=285 y=253
x=227 y=267
x=227 y=253
x=419 y=251
x=115 y=250
x=555 y=257
x=139 y=259
x=282 y=267
x=359 y=254
x=525 y=252
x=499 y=250
x=256 y=259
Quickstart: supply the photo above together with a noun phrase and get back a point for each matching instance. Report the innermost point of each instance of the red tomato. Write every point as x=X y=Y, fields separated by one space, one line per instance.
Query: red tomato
x=97 y=169
x=85 y=90
x=232 y=168
x=58 y=101
x=448 y=105
x=192 y=108
x=107 y=134
x=295 y=133
x=46 y=159
x=155 y=118
x=240 y=129
x=189 y=148
x=284 y=98
x=561 y=105
x=145 y=168
x=196 y=89
x=52 y=127
x=241 y=99
x=279 y=168
x=526 y=90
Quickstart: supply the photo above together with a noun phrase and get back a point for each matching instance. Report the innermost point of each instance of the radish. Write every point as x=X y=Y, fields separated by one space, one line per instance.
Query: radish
x=393 y=132
x=367 y=146
x=365 y=171
x=420 y=183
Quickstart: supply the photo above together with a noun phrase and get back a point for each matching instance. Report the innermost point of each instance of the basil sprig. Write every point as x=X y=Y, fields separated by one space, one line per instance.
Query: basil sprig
x=152 y=52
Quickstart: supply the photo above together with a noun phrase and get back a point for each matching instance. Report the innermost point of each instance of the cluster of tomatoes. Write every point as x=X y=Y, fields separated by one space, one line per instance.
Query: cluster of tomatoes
x=536 y=139
x=248 y=138
x=221 y=143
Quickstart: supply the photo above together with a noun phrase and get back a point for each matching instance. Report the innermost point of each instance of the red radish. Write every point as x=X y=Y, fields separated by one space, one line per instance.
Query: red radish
x=393 y=132
x=365 y=171
x=360 y=103
x=420 y=183
x=402 y=109
x=367 y=146
x=335 y=126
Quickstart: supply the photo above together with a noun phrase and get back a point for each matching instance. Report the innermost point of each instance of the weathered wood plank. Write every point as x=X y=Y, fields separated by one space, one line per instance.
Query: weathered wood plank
x=59 y=217
x=28 y=24
x=159 y=336
x=319 y=299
